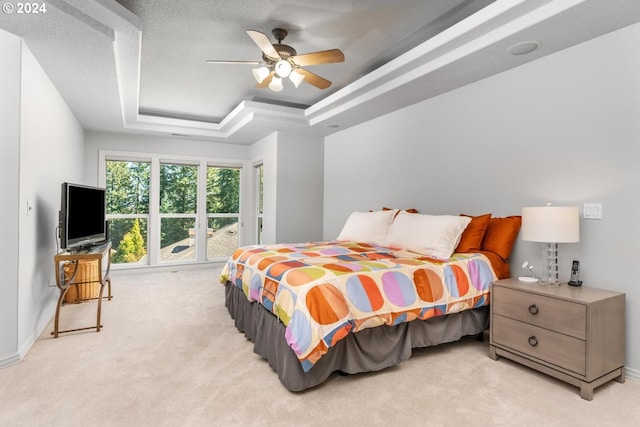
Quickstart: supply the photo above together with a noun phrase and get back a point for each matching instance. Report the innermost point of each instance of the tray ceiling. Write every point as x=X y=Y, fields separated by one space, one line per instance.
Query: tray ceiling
x=138 y=66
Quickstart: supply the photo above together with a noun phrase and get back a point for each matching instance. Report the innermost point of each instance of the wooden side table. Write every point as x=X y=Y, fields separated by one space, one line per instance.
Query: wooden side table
x=575 y=334
x=67 y=266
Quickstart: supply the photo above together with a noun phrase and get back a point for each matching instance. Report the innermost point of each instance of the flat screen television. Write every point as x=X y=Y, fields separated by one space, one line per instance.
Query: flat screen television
x=82 y=216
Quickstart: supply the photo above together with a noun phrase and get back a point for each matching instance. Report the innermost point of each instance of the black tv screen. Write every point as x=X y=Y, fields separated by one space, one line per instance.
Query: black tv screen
x=82 y=216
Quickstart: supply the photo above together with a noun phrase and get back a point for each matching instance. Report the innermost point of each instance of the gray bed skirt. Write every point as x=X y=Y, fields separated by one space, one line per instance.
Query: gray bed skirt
x=365 y=351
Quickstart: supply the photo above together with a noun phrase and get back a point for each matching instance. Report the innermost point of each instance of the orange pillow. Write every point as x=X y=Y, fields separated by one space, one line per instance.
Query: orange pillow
x=406 y=210
x=500 y=266
x=471 y=239
x=501 y=235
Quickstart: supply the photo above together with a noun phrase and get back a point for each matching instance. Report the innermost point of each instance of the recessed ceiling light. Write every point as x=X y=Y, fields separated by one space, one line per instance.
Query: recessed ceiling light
x=523 y=48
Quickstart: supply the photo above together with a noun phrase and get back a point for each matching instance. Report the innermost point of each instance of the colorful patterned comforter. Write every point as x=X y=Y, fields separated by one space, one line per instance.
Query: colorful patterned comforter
x=324 y=291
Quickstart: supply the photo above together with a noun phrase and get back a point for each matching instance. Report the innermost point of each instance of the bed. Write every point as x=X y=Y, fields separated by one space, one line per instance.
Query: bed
x=389 y=283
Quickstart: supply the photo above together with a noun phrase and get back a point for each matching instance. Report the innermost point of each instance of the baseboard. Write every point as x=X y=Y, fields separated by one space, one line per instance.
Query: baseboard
x=145 y=269
x=47 y=315
x=9 y=360
x=632 y=374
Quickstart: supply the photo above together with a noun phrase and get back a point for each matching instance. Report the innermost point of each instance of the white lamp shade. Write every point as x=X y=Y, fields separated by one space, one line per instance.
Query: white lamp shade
x=276 y=84
x=551 y=224
x=296 y=78
x=260 y=73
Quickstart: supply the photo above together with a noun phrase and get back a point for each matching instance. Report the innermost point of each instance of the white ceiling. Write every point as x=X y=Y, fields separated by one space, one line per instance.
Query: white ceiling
x=138 y=66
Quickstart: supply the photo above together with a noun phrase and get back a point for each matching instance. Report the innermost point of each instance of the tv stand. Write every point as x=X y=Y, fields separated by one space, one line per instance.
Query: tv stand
x=86 y=249
x=67 y=267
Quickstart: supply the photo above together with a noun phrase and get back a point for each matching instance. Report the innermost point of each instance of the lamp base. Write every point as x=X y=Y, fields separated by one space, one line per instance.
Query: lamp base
x=548 y=283
x=572 y=283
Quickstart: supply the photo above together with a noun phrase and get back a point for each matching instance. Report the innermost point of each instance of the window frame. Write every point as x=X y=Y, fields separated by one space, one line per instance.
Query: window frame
x=222 y=215
x=258 y=197
x=154 y=216
x=146 y=217
x=179 y=215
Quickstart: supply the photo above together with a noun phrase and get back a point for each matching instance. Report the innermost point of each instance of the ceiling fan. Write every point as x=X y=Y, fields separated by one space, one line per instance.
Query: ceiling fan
x=280 y=61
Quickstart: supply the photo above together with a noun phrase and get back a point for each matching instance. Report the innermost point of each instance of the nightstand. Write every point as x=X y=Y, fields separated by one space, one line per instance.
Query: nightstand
x=575 y=334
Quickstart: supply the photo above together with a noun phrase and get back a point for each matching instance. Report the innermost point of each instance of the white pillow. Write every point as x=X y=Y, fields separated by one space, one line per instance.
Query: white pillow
x=368 y=227
x=432 y=235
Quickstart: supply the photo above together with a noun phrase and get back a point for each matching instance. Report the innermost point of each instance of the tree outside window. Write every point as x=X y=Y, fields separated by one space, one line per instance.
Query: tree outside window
x=223 y=211
x=171 y=203
x=127 y=185
x=178 y=208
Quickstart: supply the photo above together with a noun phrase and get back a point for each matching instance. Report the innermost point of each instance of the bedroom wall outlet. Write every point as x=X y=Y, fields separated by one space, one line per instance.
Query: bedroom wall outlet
x=592 y=211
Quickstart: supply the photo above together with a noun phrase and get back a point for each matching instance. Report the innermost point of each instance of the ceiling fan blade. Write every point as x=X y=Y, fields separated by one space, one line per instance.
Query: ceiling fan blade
x=220 y=61
x=264 y=44
x=266 y=80
x=314 y=79
x=315 y=58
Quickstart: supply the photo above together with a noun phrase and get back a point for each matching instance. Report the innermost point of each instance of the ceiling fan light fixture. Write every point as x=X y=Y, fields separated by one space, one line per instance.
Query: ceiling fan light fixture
x=280 y=61
x=283 y=68
x=296 y=78
x=260 y=73
x=276 y=84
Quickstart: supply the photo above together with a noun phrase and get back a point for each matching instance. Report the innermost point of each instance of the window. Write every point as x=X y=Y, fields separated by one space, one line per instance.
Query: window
x=178 y=207
x=166 y=210
x=223 y=211
x=127 y=185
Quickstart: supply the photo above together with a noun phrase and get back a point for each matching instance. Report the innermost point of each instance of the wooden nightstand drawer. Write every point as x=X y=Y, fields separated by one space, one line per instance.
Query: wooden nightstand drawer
x=558 y=349
x=555 y=314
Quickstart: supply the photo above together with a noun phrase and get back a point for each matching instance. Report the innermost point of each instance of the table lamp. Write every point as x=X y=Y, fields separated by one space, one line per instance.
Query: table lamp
x=551 y=225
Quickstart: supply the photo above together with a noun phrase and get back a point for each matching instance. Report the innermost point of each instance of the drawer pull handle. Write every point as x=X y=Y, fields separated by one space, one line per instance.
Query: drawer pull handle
x=533 y=309
x=533 y=341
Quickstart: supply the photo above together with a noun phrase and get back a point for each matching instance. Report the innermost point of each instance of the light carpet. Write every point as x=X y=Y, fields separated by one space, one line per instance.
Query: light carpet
x=169 y=355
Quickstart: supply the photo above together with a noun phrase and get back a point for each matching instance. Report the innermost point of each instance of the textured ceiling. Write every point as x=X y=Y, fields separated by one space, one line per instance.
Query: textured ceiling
x=178 y=36
x=139 y=66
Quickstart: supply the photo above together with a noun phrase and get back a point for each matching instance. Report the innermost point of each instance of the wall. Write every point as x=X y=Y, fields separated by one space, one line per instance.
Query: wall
x=293 y=186
x=42 y=147
x=10 y=47
x=300 y=188
x=561 y=129
x=265 y=150
x=51 y=142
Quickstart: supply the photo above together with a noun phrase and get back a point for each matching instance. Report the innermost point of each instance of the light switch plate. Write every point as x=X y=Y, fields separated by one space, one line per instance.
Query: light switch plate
x=592 y=211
